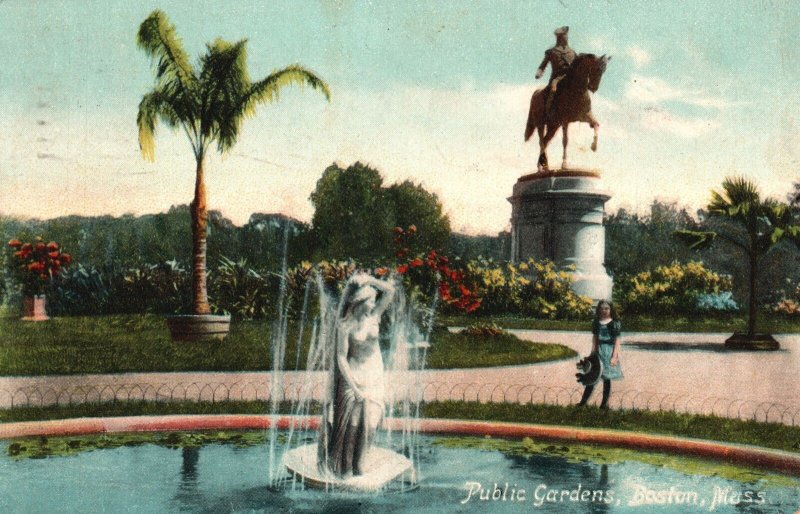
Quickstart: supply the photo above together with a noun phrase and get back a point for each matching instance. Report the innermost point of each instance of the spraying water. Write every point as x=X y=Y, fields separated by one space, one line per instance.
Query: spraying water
x=353 y=387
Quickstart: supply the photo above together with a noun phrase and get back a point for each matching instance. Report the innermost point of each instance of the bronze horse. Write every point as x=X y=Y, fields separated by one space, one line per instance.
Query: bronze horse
x=571 y=103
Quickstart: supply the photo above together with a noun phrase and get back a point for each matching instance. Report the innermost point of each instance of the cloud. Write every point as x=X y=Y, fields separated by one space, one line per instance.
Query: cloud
x=653 y=90
x=681 y=126
x=638 y=55
x=464 y=143
x=601 y=45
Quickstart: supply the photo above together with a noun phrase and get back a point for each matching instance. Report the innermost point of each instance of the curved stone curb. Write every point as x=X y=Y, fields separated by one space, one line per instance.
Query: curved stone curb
x=743 y=454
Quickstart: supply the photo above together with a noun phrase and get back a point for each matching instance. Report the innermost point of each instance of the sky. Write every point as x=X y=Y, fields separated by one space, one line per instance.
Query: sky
x=433 y=92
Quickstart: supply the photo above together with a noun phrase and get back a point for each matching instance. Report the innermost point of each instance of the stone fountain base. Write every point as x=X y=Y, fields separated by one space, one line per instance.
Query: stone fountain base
x=383 y=466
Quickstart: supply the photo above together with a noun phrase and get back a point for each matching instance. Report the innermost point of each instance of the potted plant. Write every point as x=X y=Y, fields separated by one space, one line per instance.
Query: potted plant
x=208 y=103
x=35 y=265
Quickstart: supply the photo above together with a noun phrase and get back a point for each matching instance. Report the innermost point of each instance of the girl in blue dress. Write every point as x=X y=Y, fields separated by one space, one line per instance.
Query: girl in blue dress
x=606 y=340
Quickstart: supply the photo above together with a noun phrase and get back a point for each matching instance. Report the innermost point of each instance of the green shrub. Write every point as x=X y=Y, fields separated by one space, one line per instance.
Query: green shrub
x=531 y=288
x=673 y=289
x=243 y=292
x=484 y=329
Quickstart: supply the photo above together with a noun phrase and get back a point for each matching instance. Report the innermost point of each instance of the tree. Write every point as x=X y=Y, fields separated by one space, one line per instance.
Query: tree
x=354 y=215
x=350 y=220
x=410 y=204
x=636 y=243
x=740 y=217
x=209 y=105
x=794 y=198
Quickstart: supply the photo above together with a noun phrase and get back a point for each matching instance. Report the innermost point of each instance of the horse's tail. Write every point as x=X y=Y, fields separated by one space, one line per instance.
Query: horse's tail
x=535 y=113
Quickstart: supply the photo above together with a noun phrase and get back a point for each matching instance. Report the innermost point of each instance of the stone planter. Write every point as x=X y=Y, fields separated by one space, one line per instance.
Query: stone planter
x=198 y=327
x=757 y=342
x=34 y=308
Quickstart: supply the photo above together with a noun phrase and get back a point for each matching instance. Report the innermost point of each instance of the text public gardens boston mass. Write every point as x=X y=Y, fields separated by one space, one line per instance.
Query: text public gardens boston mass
x=329 y=256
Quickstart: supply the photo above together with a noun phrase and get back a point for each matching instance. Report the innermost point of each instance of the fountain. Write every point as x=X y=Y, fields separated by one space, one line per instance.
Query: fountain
x=347 y=366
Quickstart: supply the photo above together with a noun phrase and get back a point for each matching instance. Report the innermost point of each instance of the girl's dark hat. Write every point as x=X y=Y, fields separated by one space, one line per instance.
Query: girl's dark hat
x=561 y=31
x=589 y=370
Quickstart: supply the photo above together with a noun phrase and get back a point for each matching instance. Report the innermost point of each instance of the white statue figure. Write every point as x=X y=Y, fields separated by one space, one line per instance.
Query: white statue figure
x=357 y=400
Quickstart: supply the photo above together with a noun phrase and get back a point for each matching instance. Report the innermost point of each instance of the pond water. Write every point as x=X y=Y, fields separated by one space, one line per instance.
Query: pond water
x=456 y=475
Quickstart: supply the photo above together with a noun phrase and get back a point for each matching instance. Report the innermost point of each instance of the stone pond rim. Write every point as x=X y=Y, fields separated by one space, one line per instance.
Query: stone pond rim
x=198 y=327
x=762 y=342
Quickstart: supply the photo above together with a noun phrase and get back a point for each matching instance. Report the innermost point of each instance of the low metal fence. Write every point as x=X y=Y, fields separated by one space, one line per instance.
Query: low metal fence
x=293 y=390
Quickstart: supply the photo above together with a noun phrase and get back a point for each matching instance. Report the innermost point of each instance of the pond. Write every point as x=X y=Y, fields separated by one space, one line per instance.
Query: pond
x=228 y=473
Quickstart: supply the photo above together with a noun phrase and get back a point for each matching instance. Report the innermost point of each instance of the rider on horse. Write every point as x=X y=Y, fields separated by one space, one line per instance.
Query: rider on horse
x=560 y=57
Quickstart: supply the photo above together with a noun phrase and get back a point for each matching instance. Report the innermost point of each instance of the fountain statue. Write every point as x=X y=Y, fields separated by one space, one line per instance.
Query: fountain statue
x=345 y=456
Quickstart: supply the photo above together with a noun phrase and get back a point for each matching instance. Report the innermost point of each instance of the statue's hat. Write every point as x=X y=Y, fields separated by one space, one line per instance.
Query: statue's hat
x=561 y=31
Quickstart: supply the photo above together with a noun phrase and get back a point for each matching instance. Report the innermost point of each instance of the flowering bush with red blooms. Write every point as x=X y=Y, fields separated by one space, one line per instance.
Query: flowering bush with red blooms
x=36 y=264
x=431 y=274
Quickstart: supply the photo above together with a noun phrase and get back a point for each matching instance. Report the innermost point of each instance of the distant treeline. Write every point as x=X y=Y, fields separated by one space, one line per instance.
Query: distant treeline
x=124 y=241
x=355 y=216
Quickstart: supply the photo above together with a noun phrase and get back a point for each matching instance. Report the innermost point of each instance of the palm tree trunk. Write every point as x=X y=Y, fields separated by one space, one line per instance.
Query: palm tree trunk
x=199 y=238
x=752 y=308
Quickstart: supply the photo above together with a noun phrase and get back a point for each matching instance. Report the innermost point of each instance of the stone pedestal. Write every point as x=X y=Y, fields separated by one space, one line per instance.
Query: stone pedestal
x=559 y=216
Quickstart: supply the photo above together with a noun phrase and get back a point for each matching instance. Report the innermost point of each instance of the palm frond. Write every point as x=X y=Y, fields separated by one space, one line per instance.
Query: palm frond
x=739 y=200
x=696 y=240
x=739 y=190
x=154 y=106
x=266 y=91
x=157 y=37
x=225 y=82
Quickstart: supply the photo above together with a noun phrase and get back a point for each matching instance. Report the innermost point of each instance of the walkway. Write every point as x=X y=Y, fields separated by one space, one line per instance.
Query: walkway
x=663 y=371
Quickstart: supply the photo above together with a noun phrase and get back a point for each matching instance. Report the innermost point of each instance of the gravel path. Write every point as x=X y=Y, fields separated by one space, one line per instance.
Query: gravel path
x=682 y=372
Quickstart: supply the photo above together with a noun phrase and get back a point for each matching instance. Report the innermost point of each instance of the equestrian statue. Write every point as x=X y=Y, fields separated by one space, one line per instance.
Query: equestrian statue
x=566 y=97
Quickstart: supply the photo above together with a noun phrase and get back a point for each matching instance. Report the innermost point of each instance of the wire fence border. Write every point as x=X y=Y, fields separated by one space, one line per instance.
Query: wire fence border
x=431 y=391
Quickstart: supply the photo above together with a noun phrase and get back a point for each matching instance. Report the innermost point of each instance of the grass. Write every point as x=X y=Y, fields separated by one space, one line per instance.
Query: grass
x=640 y=323
x=141 y=343
x=769 y=435
x=448 y=351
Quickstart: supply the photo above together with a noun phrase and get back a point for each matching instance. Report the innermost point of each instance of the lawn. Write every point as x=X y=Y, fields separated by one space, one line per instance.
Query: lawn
x=139 y=343
x=641 y=323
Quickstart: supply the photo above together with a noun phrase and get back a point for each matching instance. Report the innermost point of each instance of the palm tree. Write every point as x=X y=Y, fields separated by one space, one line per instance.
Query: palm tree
x=208 y=104
x=740 y=217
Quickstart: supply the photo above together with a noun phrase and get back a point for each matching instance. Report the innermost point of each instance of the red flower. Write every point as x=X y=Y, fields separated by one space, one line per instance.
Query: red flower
x=381 y=271
x=402 y=269
x=52 y=246
x=472 y=307
x=444 y=291
x=66 y=258
x=464 y=290
x=412 y=229
x=14 y=243
x=398 y=230
x=416 y=263
x=19 y=254
x=36 y=266
x=43 y=276
x=27 y=247
x=432 y=254
x=53 y=255
x=40 y=247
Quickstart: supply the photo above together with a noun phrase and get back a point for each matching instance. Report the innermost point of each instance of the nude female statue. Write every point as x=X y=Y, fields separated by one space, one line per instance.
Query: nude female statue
x=356 y=409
